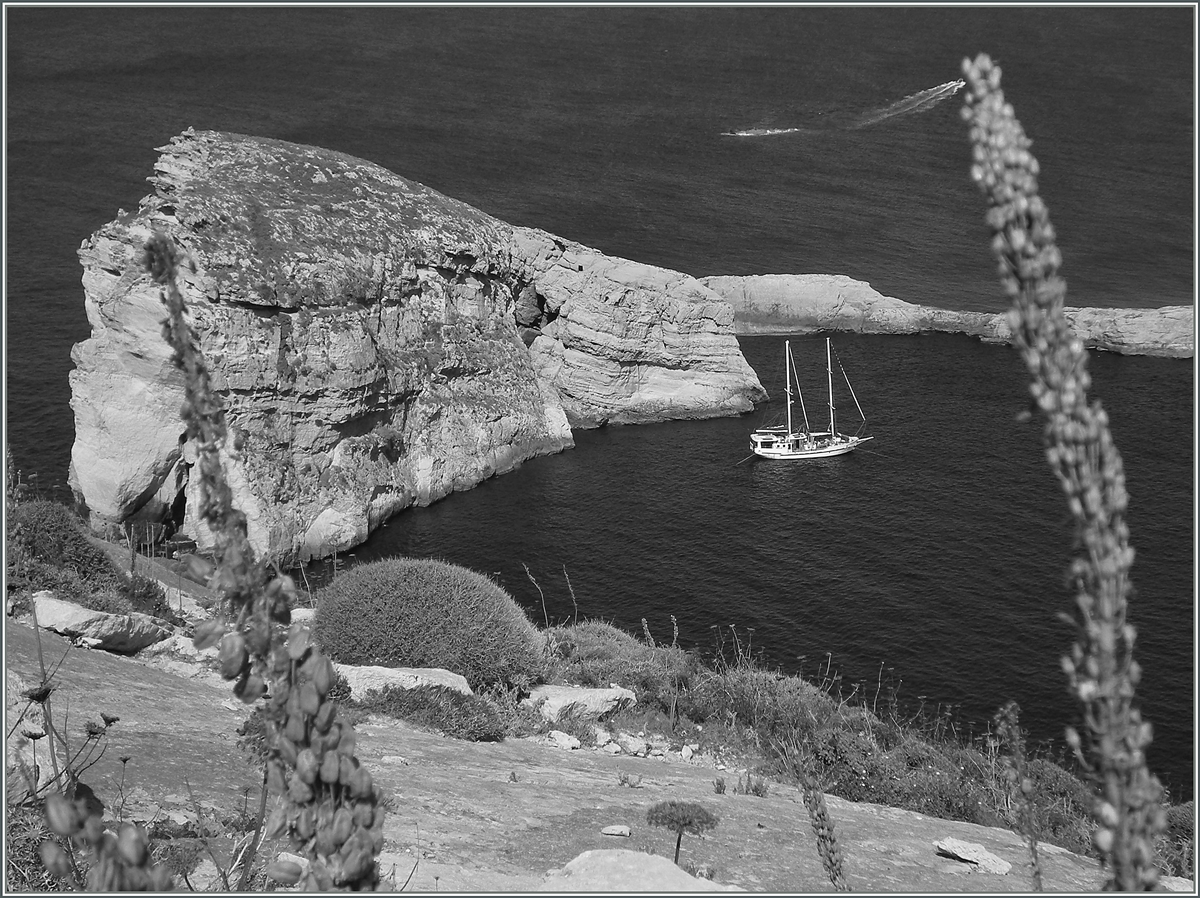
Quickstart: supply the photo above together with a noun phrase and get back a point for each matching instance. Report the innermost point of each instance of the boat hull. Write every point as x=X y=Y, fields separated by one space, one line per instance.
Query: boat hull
x=768 y=445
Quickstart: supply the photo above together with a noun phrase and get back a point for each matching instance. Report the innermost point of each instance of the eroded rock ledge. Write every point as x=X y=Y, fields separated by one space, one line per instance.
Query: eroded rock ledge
x=377 y=345
x=807 y=303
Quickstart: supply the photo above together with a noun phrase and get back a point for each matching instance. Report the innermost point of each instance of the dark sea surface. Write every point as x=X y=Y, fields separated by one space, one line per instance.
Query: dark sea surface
x=940 y=552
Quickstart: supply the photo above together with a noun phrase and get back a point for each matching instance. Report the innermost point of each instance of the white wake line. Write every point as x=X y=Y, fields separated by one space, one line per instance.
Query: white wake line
x=912 y=103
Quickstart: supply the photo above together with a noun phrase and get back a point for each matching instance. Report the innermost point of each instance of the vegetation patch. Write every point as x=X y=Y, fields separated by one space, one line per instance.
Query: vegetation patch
x=412 y=612
x=467 y=717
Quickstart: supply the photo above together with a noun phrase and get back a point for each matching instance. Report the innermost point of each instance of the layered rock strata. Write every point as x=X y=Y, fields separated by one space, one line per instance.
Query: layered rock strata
x=376 y=345
x=807 y=303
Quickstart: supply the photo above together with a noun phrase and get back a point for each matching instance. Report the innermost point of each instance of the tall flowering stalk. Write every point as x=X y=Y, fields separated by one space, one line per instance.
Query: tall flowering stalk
x=1079 y=447
x=329 y=804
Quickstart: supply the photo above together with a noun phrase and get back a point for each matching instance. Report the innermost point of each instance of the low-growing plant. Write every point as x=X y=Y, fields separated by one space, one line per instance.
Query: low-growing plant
x=719 y=785
x=468 y=717
x=624 y=779
x=753 y=785
x=417 y=612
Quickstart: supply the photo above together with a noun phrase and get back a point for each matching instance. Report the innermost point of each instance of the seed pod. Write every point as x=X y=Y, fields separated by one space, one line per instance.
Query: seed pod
x=310 y=701
x=208 y=634
x=325 y=716
x=305 y=824
x=287 y=750
x=307 y=766
x=55 y=859
x=131 y=843
x=329 y=767
x=298 y=641
x=276 y=824
x=258 y=637
x=295 y=729
x=325 y=843
x=357 y=865
x=299 y=791
x=250 y=688
x=286 y=872
x=364 y=814
x=232 y=655
x=346 y=770
x=343 y=826
x=323 y=675
x=360 y=783
x=347 y=741
x=62 y=815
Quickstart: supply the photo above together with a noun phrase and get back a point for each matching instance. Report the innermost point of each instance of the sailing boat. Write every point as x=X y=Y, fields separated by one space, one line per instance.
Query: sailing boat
x=783 y=442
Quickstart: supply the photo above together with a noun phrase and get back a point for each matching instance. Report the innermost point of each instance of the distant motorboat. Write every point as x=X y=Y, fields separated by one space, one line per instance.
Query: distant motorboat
x=785 y=443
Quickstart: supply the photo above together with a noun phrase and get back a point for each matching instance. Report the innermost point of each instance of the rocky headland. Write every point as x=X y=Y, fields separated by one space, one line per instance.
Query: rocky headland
x=810 y=303
x=379 y=345
x=376 y=343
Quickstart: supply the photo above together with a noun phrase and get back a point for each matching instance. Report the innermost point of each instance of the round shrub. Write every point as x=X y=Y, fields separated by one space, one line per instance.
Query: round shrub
x=416 y=612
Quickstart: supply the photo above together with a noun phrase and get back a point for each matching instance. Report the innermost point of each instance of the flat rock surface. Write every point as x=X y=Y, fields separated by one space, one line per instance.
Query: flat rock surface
x=501 y=816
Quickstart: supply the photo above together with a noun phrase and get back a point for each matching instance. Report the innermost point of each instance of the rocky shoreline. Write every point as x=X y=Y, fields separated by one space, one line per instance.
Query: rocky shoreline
x=811 y=303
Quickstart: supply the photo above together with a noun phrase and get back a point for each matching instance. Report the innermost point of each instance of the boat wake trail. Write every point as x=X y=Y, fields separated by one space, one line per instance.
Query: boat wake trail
x=761 y=132
x=922 y=101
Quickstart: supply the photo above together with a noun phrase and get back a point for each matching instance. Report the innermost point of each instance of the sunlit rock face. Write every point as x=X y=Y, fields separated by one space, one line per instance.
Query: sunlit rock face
x=376 y=345
x=808 y=303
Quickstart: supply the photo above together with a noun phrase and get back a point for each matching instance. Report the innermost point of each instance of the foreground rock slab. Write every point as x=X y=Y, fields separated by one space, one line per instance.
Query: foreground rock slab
x=461 y=822
x=124 y=633
x=621 y=870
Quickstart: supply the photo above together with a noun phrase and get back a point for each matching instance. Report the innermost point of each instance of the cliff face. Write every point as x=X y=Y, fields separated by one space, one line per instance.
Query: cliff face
x=363 y=332
x=805 y=303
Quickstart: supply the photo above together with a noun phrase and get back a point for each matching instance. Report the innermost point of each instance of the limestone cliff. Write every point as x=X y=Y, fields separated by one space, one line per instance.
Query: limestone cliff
x=804 y=303
x=363 y=331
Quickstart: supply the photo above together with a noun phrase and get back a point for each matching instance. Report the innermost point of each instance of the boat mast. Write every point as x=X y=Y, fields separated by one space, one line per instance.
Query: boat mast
x=829 y=372
x=787 y=370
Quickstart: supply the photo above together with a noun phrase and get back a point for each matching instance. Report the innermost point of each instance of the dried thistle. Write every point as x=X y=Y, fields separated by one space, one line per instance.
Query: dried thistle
x=1080 y=449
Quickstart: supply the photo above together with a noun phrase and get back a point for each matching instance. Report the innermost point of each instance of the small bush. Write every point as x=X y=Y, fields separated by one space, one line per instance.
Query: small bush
x=595 y=654
x=467 y=717
x=146 y=596
x=767 y=703
x=411 y=612
x=1176 y=849
x=53 y=534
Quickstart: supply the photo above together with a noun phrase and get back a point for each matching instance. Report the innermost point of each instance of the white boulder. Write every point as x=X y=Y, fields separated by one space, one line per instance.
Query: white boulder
x=374 y=679
x=557 y=702
x=124 y=633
